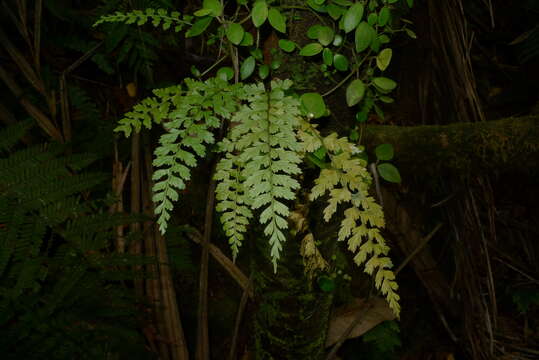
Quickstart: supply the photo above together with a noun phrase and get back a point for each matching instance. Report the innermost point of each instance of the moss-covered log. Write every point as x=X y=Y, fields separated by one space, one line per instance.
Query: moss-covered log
x=502 y=145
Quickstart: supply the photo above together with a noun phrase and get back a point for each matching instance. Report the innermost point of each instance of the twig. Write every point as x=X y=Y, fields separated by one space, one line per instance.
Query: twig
x=203 y=343
x=239 y=316
x=420 y=247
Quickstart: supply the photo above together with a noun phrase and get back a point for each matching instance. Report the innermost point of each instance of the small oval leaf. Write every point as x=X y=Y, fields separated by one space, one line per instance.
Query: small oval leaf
x=234 y=33
x=355 y=92
x=287 y=45
x=215 y=7
x=277 y=20
x=352 y=17
x=327 y=56
x=311 y=49
x=384 y=152
x=340 y=62
x=247 y=67
x=384 y=84
x=383 y=16
x=263 y=71
x=325 y=35
x=384 y=58
x=259 y=13
x=364 y=36
x=314 y=104
x=247 y=40
x=389 y=172
x=199 y=26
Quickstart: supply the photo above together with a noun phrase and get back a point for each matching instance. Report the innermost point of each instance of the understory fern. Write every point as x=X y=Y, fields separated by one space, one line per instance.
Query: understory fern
x=257 y=173
x=56 y=272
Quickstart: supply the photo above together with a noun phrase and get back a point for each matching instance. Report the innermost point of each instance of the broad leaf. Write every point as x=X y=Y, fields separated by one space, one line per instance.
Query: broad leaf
x=352 y=17
x=311 y=49
x=384 y=15
x=389 y=172
x=287 y=45
x=384 y=58
x=226 y=73
x=314 y=104
x=247 y=67
x=365 y=34
x=259 y=13
x=235 y=33
x=340 y=62
x=277 y=20
x=214 y=6
x=355 y=92
x=384 y=152
x=199 y=26
x=384 y=84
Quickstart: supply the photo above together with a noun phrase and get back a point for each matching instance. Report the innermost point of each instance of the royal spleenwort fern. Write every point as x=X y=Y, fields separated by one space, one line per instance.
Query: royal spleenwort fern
x=267 y=141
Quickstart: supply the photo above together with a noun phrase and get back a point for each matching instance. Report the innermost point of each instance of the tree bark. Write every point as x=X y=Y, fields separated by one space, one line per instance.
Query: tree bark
x=510 y=144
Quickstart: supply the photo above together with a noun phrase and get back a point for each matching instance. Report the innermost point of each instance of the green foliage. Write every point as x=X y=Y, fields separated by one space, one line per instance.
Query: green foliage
x=382 y=341
x=269 y=135
x=56 y=273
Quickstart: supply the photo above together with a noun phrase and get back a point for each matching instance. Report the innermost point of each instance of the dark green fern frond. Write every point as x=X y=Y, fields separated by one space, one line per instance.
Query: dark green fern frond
x=9 y=136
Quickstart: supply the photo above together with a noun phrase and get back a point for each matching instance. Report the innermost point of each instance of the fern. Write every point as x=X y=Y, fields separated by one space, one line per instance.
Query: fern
x=159 y=17
x=266 y=142
x=347 y=182
x=55 y=270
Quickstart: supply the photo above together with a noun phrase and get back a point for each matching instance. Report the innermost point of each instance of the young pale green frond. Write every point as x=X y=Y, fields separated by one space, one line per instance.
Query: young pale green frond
x=347 y=182
x=232 y=201
x=264 y=141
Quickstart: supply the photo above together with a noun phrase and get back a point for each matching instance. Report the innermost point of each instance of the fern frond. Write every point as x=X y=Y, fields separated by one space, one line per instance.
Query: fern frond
x=188 y=134
x=347 y=182
x=10 y=135
x=265 y=138
x=232 y=200
x=159 y=17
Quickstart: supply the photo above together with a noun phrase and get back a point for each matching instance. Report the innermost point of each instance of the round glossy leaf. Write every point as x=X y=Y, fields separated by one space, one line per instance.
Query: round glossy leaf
x=384 y=84
x=277 y=20
x=314 y=104
x=338 y=40
x=247 y=67
x=389 y=172
x=259 y=13
x=384 y=58
x=355 y=92
x=326 y=283
x=352 y=17
x=371 y=19
x=340 y=62
x=312 y=32
x=247 y=40
x=384 y=152
x=226 y=73
x=234 y=33
x=365 y=34
x=199 y=26
x=263 y=71
x=311 y=49
x=287 y=45
x=386 y=99
x=384 y=15
x=214 y=6
x=335 y=11
x=410 y=3
x=325 y=35
x=327 y=56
